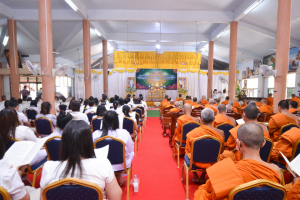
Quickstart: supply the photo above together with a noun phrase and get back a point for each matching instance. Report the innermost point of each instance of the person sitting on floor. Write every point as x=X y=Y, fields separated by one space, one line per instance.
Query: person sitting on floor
x=293 y=106
x=250 y=139
x=211 y=105
x=176 y=109
x=77 y=160
x=226 y=101
x=222 y=117
x=111 y=128
x=207 y=118
x=63 y=119
x=282 y=118
x=45 y=112
x=75 y=106
x=265 y=108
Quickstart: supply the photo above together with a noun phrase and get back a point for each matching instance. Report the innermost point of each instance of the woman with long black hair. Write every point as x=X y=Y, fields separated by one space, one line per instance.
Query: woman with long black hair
x=45 y=112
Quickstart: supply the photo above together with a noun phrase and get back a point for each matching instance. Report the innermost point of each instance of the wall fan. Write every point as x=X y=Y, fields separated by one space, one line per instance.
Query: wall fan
x=60 y=70
x=266 y=70
x=223 y=80
x=34 y=69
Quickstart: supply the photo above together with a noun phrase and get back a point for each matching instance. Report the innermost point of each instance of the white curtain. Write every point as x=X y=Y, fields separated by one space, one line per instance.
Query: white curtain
x=192 y=83
x=117 y=83
x=202 y=85
x=217 y=84
x=97 y=85
x=79 y=87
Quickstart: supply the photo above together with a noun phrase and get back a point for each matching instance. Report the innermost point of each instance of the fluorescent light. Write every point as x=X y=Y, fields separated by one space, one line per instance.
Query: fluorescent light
x=72 y=5
x=5 y=40
x=256 y=3
x=97 y=32
x=221 y=33
x=157 y=46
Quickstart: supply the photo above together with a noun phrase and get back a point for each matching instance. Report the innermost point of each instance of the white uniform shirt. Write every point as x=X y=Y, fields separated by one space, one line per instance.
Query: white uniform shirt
x=80 y=116
x=48 y=116
x=91 y=109
x=123 y=135
x=144 y=103
x=56 y=132
x=36 y=109
x=24 y=133
x=22 y=118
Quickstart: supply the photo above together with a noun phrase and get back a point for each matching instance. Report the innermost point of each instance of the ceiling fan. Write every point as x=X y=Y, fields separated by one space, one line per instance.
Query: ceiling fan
x=183 y=63
x=134 y=63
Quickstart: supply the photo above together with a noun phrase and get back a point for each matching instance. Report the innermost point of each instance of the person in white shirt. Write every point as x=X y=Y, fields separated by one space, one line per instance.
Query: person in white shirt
x=101 y=110
x=75 y=106
x=39 y=102
x=92 y=107
x=215 y=94
x=22 y=118
x=121 y=104
x=104 y=98
x=63 y=119
x=111 y=128
x=3 y=99
x=63 y=99
x=144 y=103
x=33 y=105
x=126 y=113
x=45 y=112
x=80 y=162
x=85 y=104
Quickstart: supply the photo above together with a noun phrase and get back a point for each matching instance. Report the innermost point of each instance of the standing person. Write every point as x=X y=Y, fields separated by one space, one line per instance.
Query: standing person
x=25 y=92
x=215 y=94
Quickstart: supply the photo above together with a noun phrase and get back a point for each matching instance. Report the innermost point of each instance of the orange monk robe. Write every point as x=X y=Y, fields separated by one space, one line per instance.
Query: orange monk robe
x=164 y=104
x=285 y=144
x=180 y=121
x=295 y=99
x=219 y=119
x=204 y=102
x=258 y=104
x=270 y=101
x=198 y=132
x=244 y=104
x=294 y=193
x=276 y=122
x=292 y=110
x=179 y=99
x=169 y=106
x=212 y=107
x=193 y=103
x=225 y=102
x=174 y=110
x=265 y=109
x=189 y=102
x=234 y=110
x=163 y=101
x=215 y=105
x=226 y=175
x=236 y=104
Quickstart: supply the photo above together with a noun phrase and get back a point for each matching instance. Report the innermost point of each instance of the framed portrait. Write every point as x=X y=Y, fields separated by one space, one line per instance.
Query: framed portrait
x=131 y=82
x=181 y=82
x=244 y=75
x=256 y=66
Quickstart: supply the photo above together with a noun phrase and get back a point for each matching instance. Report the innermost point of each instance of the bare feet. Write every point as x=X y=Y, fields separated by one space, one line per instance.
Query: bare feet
x=195 y=179
x=121 y=181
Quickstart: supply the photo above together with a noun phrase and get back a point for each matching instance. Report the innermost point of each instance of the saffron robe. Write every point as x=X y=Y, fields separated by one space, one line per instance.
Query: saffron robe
x=219 y=119
x=265 y=109
x=276 y=122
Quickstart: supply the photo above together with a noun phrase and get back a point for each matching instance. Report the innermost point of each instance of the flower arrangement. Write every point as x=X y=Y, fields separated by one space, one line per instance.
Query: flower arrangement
x=182 y=90
x=130 y=90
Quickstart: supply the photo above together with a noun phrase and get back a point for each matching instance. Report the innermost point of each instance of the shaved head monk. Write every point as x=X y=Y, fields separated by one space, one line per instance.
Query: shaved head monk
x=222 y=117
x=232 y=107
x=199 y=104
x=176 y=109
x=282 y=118
x=207 y=118
x=166 y=103
x=249 y=116
x=187 y=117
x=204 y=102
x=226 y=101
x=188 y=100
x=236 y=103
x=226 y=175
x=270 y=99
x=211 y=105
x=171 y=104
x=180 y=98
x=265 y=108
x=194 y=103
x=293 y=106
x=245 y=104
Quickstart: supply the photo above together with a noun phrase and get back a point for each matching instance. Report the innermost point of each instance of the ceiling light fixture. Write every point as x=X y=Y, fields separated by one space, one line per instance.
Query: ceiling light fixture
x=5 y=40
x=157 y=46
x=250 y=8
x=97 y=32
x=219 y=35
x=72 y=5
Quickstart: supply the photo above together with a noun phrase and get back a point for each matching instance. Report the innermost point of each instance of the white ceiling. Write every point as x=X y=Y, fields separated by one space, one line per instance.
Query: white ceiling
x=110 y=18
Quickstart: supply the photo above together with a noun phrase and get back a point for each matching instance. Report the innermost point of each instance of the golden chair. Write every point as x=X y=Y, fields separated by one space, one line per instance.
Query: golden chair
x=285 y=128
x=4 y=194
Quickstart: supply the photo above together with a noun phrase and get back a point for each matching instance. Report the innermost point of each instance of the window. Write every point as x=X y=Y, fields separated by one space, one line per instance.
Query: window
x=290 y=85
x=63 y=86
x=251 y=85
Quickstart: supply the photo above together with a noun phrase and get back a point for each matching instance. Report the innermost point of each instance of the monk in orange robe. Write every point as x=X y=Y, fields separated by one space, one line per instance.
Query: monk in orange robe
x=245 y=104
x=171 y=104
x=285 y=144
x=176 y=109
x=265 y=108
x=226 y=175
x=270 y=100
x=222 y=117
x=180 y=98
x=226 y=101
x=232 y=107
x=236 y=104
x=258 y=103
x=165 y=102
x=194 y=103
x=207 y=118
x=294 y=192
x=188 y=100
x=294 y=98
x=210 y=105
x=280 y=119
x=187 y=117
x=199 y=104
x=249 y=116
x=204 y=102
x=293 y=106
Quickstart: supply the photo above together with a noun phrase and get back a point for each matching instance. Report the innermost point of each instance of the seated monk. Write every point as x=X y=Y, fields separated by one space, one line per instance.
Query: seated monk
x=180 y=98
x=211 y=105
x=294 y=98
x=245 y=104
x=164 y=102
x=293 y=106
x=293 y=189
x=207 y=118
x=265 y=108
x=176 y=109
x=236 y=103
x=232 y=107
x=194 y=103
x=188 y=100
x=199 y=102
x=285 y=144
x=226 y=174
x=270 y=100
x=171 y=105
x=282 y=118
x=187 y=117
x=204 y=102
x=249 y=116
x=258 y=103
x=226 y=101
x=222 y=117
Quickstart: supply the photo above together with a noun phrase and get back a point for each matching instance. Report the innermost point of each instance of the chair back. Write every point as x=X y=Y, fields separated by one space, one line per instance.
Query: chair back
x=139 y=111
x=137 y=117
x=43 y=126
x=142 y=108
x=96 y=123
x=261 y=117
x=258 y=189
x=31 y=113
x=285 y=128
x=90 y=115
x=72 y=188
x=52 y=146
x=128 y=124
x=186 y=128
x=4 y=194
x=296 y=150
x=226 y=127
x=116 y=151
x=205 y=149
x=9 y=144
x=62 y=107
x=266 y=150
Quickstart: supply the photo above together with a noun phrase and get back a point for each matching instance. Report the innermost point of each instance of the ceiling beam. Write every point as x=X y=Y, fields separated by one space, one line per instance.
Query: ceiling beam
x=97 y=26
x=166 y=16
x=216 y=58
x=264 y=32
x=3 y=33
x=155 y=37
x=69 y=37
x=5 y=11
x=151 y=47
x=29 y=35
x=201 y=45
x=253 y=55
x=82 y=11
x=76 y=49
x=96 y=56
x=57 y=15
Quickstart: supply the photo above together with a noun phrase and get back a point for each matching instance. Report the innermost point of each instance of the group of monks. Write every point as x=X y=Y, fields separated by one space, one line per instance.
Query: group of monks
x=240 y=161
